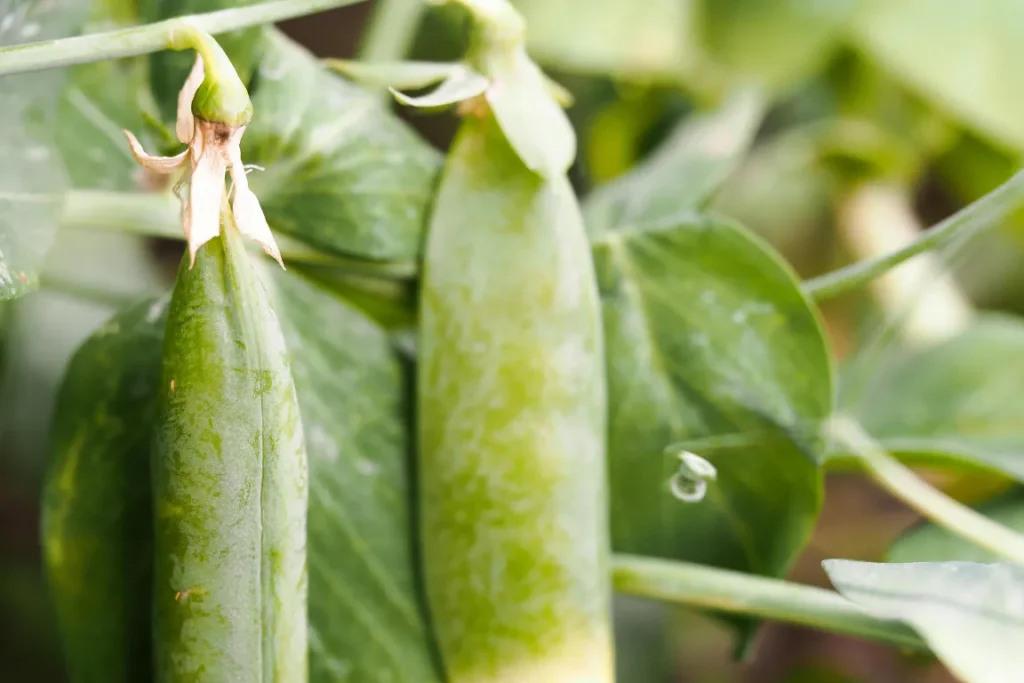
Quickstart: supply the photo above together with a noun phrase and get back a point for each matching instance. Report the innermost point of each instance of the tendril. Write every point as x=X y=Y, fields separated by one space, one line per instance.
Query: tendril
x=690 y=483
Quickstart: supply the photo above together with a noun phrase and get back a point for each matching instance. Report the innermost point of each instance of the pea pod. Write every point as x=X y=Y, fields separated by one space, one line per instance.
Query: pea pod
x=229 y=483
x=96 y=531
x=512 y=424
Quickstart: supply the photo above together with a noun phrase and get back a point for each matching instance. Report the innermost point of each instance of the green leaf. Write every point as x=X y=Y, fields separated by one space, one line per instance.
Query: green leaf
x=342 y=173
x=98 y=102
x=971 y=615
x=530 y=117
x=96 y=527
x=461 y=83
x=366 y=617
x=711 y=344
x=928 y=542
x=400 y=75
x=643 y=39
x=684 y=172
x=32 y=180
x=961 y=55
x=773 y=42
x=957 y=401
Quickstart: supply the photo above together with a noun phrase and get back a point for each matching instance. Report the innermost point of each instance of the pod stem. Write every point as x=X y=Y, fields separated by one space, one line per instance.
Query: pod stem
x=742 y=594
x=902 y=483
x=156 y=214
x=392 y=29
x=148 y=38
x=988 y=211
x=221 y=97
x=499 y=31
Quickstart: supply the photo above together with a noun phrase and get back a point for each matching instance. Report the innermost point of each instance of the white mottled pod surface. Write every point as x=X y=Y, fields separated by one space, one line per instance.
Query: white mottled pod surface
x=512 y=421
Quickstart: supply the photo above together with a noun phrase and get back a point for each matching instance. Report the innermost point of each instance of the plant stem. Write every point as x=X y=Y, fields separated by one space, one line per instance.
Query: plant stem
x=984 y=213
x=902 y=483
x=156 y=214
x=149 y=214
x=81 y=291
x=737 y=593
x=140 y=40
x=391 y=31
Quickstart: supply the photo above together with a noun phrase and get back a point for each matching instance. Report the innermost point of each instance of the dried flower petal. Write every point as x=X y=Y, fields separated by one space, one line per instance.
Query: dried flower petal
x=204 y=201
x=154 y=163
x=185 y=125
x=246 y=206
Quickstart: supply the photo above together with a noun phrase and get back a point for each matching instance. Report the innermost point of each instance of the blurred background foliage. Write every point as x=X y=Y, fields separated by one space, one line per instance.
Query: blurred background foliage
x=920 y=97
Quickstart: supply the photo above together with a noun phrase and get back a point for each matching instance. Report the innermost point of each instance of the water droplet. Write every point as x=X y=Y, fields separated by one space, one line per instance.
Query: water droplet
x=31 y=29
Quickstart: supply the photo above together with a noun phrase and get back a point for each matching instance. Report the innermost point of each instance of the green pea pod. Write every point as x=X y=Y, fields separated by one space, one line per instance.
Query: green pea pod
x=512 y=425
x=97 y=528
x=229 y=484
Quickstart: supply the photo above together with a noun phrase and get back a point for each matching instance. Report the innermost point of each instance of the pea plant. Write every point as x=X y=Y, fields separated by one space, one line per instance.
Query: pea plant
x=402 y=415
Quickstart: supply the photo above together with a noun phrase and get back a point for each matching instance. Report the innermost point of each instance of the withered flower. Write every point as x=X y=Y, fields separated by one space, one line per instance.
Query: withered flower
x=213 y=148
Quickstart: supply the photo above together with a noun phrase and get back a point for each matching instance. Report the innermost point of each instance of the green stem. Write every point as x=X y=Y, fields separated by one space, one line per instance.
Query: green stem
x=82 y=291
x=392 y=29
x=150 y=214
x=156 y=214
x=140 y=40
x=986 y=212
x=743 y=594
x=902 y=483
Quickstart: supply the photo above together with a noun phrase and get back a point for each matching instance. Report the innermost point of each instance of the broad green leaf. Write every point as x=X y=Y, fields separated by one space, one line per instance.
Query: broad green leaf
x=366 y=618
x=96 y=528
x=963 y=56
x=626 y=37
x=711 y=344
x=98 y=102
x=971 y=615
x=461 y=83
x=773 y=42
x=391 y=303
x=929 y=542
x=32 y=179
x=342 y=173
x=684 y=172
x=958 y=400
